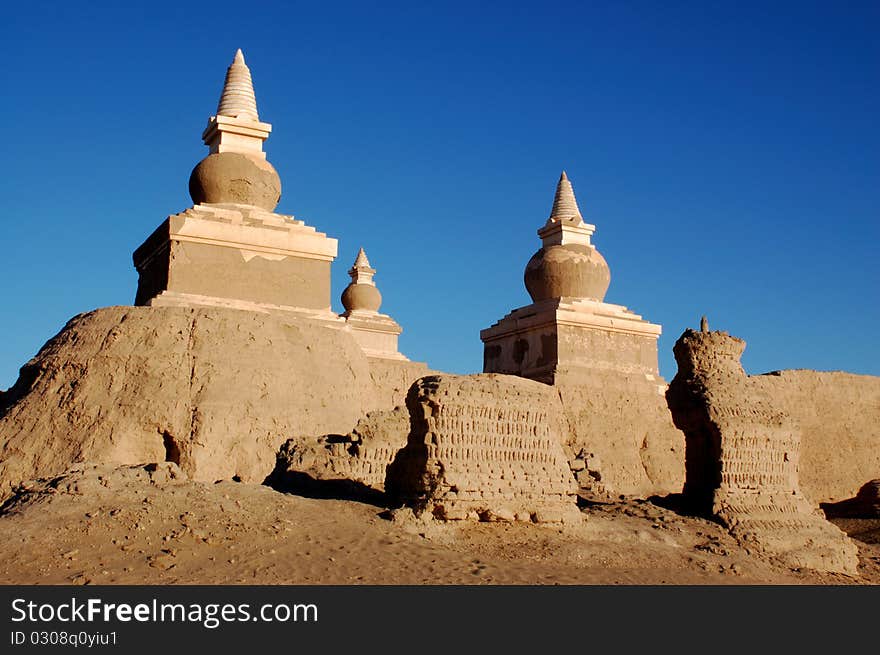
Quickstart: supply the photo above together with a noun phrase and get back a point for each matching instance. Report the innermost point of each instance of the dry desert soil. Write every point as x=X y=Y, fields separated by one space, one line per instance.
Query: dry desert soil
x=133 y=525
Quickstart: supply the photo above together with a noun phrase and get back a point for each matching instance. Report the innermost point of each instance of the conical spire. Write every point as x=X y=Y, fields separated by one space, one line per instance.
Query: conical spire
x=361 y=272
x=565 y=225
x=565 y=206
x=238 y=97
x=362 y=261
x=236 y=127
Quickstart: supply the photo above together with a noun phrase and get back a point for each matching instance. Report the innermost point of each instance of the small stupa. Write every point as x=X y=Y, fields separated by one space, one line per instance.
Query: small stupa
x=376 y=333
x=569 y=326
x=231 y=249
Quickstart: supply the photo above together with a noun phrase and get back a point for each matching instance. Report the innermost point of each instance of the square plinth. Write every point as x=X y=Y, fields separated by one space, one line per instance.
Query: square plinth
x=543 y=338
x=235 y=255
x=375 y=333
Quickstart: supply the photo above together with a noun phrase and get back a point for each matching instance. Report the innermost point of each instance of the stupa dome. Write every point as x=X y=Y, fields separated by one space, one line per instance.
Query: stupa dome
x=567 y=271
x=364 y=297
x=235 y=177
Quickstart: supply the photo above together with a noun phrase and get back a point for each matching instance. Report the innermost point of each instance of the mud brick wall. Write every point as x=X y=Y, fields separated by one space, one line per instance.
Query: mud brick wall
x=485 y=447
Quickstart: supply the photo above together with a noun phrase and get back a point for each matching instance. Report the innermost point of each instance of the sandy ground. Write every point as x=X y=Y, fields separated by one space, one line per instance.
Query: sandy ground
x=105 y=529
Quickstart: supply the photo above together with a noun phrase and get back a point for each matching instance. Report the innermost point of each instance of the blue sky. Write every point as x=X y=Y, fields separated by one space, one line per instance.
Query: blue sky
x=728 y=153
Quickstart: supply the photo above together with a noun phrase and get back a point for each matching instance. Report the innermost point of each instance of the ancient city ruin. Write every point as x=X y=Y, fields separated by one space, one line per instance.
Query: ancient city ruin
x=743 y=454
x=232 y=366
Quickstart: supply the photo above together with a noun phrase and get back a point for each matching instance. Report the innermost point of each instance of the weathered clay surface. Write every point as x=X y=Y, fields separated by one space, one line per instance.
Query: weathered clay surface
x=485 y=447
x=628 y=426
x=215 y=390
x=97 y=482
x=375 y=440
x=742 y=454
x=361 y=296
x=567 y=271
x=839 y=415
x=233 y=177
x=392 y=380
x=361 y=456
x=623 y=422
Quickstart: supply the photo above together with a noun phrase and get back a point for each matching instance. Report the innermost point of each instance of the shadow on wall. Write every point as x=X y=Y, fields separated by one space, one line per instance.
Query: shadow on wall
x=865 y=504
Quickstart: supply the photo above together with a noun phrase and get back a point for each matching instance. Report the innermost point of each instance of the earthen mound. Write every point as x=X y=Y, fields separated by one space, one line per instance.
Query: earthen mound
x=213 y=390
x=95 y=482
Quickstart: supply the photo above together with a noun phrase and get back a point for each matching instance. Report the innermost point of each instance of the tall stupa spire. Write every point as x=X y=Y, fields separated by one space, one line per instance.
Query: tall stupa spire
x=238 y=99
x=237 y=127
x=565 y=225
x=235 y=170
x=565 y=205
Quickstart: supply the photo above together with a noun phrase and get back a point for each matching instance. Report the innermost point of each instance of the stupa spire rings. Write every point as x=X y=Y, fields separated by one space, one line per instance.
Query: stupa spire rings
x=238 y=99
x=237 y=127
x=565 y=207
x=565 y=225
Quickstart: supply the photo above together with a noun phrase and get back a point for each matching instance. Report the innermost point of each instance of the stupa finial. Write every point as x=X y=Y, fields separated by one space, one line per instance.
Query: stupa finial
x=361 y=261
x=238 y=99
x=237 y=127
x=565 y=207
